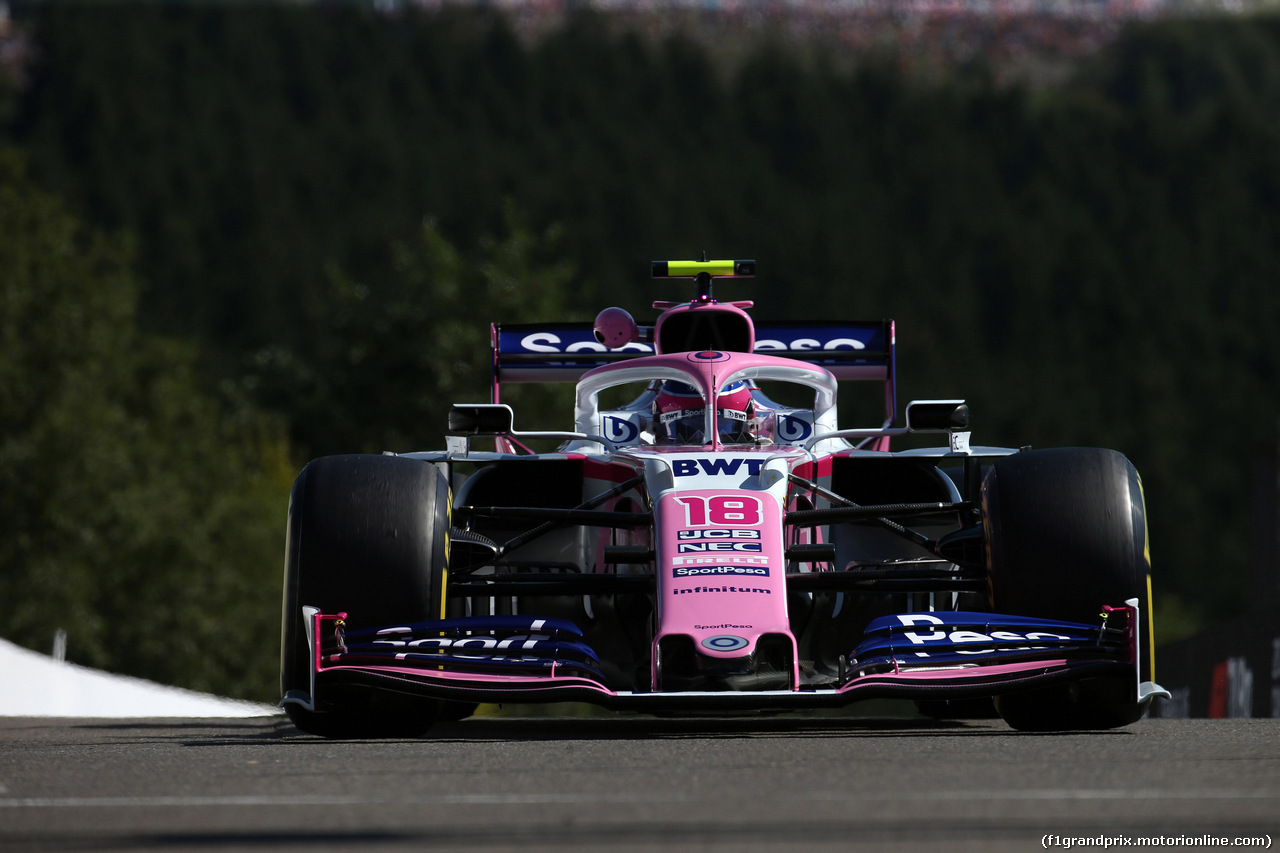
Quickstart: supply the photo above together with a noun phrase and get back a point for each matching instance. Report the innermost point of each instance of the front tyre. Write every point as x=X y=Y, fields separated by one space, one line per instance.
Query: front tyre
x=1065 y=534
x=367 y=535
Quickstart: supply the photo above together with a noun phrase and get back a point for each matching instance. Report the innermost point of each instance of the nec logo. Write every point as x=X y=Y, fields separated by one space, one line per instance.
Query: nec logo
x=713 y=547
x=715 y=467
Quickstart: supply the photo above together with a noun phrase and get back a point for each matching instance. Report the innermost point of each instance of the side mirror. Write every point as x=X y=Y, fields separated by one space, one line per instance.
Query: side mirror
x=615 y=327
x=937 y=415
x=481 y=418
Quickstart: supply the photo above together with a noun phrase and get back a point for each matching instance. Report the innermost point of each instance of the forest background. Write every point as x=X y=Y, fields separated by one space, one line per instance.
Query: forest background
x=237 y=236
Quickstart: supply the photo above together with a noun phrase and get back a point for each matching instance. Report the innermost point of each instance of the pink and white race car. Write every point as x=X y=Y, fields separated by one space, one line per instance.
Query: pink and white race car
x=708 y=538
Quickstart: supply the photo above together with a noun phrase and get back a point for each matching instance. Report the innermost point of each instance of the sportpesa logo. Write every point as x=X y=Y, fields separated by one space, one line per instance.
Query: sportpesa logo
x=715 y=571
x=570 y=341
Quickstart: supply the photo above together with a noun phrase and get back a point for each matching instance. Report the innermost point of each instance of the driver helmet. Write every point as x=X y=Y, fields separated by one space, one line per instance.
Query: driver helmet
x=680 y=414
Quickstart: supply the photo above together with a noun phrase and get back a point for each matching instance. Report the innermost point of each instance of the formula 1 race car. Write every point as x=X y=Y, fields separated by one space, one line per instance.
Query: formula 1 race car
x=708 y=539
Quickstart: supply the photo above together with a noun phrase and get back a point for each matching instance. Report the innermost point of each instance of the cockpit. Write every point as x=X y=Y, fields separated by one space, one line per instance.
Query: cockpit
x=673 y=409
x=741 y=413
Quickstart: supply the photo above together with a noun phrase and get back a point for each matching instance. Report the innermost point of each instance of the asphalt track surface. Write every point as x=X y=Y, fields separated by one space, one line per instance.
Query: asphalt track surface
x=633 y=783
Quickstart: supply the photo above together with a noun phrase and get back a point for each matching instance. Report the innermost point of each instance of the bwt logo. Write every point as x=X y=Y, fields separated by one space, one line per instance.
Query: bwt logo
x=791 y=428
x=715 y=467
x=620 y=430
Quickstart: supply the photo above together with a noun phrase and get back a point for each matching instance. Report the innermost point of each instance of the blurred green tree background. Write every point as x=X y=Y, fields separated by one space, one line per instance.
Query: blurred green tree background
x=245 y=235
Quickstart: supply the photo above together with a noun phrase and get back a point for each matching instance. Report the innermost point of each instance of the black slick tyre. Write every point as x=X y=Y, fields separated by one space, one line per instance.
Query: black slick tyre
x=367 y=535
x=1065 y=534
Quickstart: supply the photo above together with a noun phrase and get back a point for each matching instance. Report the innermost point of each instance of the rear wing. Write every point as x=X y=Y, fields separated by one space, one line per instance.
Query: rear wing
x=562 y=352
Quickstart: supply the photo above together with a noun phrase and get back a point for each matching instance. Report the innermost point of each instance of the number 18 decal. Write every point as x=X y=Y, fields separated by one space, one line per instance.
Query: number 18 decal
x=720 y=510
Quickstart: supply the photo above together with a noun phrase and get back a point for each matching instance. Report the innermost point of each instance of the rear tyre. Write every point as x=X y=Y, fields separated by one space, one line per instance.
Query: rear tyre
x=367 y=535
x=1065 y=534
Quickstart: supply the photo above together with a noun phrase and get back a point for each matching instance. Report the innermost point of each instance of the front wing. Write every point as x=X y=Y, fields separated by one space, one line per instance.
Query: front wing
x=920 y=656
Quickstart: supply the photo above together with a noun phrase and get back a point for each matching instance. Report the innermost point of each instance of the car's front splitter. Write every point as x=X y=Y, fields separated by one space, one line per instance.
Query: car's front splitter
x=949 y=684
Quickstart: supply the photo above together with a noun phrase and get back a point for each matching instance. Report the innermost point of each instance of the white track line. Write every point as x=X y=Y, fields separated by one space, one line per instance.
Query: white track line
x=604 y=798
